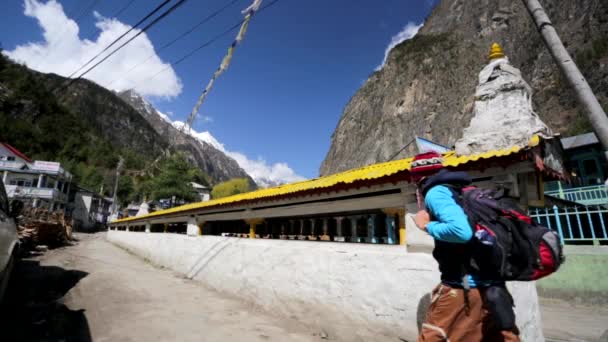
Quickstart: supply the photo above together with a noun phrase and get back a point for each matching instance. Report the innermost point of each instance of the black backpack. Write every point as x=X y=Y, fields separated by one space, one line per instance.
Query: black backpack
x=507 y=244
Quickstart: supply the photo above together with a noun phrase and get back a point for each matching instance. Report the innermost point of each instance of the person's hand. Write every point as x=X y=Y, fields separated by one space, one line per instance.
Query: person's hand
x=421 y=219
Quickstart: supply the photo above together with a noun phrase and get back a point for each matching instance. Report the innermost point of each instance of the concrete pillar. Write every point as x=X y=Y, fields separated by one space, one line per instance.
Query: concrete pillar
x=313 y=232
x=192 y=227
x=353 y=228
x=283 y=236
x=339 y=237
x=4 y=176
x=253 y=223
x=148 y=226
x=325 y=237
x=127 y=227
x=371 y=229
x=301 y=235
x=40 y=179
x=166 y=227
x=201 y=228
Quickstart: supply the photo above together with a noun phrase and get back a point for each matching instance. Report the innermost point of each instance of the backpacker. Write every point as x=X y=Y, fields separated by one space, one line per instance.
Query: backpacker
x=507 y=243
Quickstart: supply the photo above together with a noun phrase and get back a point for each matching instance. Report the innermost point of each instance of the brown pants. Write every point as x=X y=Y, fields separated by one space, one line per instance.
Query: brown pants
x=448 y=319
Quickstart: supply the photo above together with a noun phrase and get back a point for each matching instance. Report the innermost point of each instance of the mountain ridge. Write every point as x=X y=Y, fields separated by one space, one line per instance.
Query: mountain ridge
x=209 y=158
x=426 y=87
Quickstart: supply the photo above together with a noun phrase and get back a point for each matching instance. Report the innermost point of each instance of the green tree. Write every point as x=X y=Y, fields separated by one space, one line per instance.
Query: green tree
x=173 y=179
x=232 y=187
x=125 y=190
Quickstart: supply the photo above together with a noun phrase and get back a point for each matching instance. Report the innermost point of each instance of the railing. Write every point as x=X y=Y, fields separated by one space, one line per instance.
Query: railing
x=584 y=224
x=588 y=195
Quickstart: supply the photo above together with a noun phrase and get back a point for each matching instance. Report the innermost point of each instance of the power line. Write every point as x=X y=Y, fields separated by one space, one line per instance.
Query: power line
x=151 y=24
x=76 y=19
x=403 y=148
x=192 y=52
x=164 y=3
x=179 y=37
x=205 y=44
x=119 y=12
x=85 y=10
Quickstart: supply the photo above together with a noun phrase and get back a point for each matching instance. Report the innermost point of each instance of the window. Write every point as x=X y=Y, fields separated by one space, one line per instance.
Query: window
x=21 y=182
x=10 y=158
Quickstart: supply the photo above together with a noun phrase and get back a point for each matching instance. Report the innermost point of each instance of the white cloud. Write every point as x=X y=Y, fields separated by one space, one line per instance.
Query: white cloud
x=408 y=32
x=265 y=175
x=62 y=52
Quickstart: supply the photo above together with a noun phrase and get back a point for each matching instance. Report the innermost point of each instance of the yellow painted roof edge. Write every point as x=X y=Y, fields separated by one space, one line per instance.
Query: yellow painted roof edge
x=369 y=172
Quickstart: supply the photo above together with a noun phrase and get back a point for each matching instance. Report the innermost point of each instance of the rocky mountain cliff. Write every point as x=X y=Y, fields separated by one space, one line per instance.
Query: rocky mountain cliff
x=200 y=153
x=427 y=84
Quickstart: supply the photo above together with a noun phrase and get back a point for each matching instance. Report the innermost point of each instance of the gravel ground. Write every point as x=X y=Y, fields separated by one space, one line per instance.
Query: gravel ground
x=95 y=291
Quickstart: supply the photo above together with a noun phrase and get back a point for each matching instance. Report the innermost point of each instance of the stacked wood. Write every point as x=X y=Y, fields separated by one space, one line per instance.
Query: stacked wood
x=38 y=226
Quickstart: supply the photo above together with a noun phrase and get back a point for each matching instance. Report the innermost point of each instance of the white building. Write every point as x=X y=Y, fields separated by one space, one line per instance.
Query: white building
x=91 y=210
x=41 y=183
x=203 y=192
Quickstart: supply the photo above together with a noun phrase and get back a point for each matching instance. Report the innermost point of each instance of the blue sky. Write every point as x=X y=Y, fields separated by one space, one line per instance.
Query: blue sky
x=285 y=90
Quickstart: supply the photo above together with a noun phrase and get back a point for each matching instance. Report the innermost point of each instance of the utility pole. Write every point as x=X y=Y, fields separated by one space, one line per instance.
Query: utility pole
x=583 y=92
x=118 y=169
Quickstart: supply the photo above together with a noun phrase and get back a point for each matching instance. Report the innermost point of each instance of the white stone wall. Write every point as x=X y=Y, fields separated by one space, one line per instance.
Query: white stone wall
x=342 y=289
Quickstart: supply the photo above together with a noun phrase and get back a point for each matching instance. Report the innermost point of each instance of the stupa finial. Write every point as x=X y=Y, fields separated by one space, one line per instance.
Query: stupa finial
x=496 y=52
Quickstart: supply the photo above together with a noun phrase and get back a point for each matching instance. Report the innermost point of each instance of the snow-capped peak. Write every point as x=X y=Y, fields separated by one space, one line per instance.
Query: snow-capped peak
x=264 y=174
x=202 y=136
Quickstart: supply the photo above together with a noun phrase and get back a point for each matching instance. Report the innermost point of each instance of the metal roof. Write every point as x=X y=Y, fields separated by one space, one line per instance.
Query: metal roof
x=370 y=172
x=579 y=140
x=16 y=152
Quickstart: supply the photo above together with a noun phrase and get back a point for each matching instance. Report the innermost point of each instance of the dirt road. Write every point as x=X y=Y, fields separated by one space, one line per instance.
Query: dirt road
x=95 y=291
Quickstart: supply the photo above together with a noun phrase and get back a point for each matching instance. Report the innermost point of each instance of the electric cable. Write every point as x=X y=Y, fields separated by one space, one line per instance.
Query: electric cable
x=205 y=44
x=164 y=3
x=124 y=8
x=176 y=39
x=151 y=24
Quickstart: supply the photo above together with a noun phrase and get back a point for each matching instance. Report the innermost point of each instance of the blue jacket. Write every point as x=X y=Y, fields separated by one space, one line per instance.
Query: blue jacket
x=451 y=223
x=449 y=227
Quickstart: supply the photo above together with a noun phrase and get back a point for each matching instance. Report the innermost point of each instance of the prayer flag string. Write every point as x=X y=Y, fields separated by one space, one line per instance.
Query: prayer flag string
x=249 y=12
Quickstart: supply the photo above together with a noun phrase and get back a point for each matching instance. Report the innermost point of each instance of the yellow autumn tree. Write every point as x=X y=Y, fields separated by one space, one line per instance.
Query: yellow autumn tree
x=229 y=188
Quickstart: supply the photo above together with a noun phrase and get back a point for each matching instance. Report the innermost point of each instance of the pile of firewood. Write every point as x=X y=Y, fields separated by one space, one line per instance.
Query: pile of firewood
x=38 y=226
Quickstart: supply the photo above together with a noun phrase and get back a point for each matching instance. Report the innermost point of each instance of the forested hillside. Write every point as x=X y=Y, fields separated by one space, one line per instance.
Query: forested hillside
x=86 y=133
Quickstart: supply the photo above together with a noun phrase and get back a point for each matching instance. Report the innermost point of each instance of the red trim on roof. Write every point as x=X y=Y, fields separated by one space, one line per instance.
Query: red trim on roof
x=17 y=152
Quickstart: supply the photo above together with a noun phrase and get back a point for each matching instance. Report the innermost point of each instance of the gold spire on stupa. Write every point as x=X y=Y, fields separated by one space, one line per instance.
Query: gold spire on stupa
x=496 y=52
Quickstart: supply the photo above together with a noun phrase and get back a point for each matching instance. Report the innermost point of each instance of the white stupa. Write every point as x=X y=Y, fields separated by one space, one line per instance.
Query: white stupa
x=502 y=116
x=144 y=209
